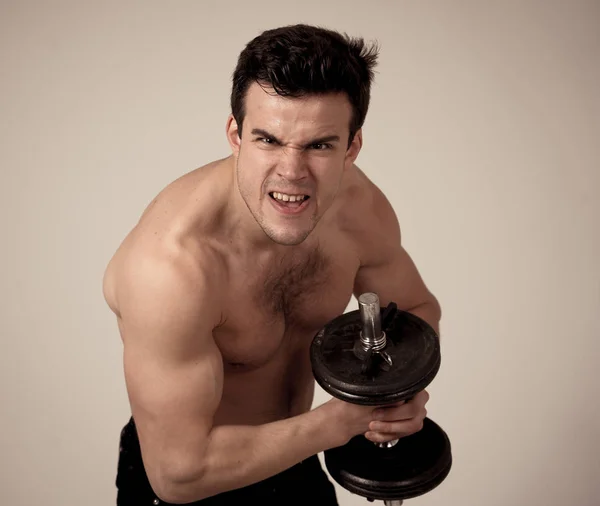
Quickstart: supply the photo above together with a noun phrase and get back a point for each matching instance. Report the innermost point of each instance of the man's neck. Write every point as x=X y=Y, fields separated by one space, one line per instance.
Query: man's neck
x=242 y=228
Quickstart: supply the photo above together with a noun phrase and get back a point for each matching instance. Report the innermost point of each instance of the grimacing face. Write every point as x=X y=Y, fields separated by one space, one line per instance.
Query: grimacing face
x=291 y=158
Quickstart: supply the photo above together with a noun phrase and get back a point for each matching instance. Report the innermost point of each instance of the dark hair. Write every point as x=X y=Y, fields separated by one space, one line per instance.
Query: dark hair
x=300 y=60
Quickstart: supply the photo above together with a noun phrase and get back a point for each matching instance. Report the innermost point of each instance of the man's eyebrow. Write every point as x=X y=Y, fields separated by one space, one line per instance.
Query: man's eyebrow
x=319 y=140
x=264 y=133
x=323 y=140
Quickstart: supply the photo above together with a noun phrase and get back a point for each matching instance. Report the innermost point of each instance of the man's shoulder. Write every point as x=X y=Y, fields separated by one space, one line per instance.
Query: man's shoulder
x=366 y=216
x=174 y=199
x=364 y=206
x=167 y=243
x=160 y=269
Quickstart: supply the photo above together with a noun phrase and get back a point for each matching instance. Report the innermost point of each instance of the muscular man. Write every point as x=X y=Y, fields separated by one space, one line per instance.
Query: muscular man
x=234 y=267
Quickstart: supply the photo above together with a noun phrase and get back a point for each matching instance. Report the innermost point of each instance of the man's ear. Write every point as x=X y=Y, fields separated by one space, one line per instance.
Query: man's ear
x=354 y=148
x=233 y=135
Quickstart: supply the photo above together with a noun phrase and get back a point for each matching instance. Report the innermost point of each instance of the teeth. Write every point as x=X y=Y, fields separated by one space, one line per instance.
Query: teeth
x=288 y=198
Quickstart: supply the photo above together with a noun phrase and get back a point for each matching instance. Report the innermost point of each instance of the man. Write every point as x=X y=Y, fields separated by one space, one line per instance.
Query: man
x=234 y=267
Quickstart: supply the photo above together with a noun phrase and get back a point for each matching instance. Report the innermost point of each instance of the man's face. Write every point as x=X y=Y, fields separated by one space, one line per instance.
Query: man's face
x=291 y=159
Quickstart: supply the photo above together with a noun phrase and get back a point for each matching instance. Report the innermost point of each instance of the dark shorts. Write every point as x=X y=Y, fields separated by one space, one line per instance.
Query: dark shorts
x=301 y=484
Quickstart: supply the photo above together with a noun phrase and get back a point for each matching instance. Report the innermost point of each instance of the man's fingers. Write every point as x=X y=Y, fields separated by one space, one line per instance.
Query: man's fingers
x=398 y=420
x=395 y=414
x=404 y=411
x=394 y=430
x=397 y=427
x=379 y=437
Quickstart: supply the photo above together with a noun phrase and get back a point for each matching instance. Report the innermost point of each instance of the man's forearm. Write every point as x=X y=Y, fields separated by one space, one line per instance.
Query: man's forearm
x=238 y=456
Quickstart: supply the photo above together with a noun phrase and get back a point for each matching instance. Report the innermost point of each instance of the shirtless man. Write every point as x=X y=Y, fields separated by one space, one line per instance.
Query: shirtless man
x=232 y=270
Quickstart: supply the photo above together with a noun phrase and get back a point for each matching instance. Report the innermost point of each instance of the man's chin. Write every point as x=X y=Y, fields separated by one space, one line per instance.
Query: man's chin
x=289 y=241
x=286 y=238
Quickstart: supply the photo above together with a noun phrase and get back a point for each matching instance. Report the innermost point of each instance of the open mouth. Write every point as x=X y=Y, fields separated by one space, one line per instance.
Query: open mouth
x=288 y=202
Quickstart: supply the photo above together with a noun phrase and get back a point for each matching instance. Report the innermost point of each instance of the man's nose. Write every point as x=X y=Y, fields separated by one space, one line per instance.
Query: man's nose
x=292 y=164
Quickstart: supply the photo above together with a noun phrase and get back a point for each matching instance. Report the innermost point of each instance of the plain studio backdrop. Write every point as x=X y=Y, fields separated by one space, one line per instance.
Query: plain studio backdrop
x=484 y=133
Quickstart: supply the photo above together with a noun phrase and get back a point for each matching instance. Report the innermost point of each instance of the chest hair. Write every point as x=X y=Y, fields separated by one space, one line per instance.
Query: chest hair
x=292 y=282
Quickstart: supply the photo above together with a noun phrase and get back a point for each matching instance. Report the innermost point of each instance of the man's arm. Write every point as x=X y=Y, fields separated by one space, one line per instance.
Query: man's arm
x=387 y=269
x=174 y=378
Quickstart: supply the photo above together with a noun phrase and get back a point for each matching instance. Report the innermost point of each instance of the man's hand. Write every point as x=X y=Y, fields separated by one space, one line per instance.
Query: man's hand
x=398 y=420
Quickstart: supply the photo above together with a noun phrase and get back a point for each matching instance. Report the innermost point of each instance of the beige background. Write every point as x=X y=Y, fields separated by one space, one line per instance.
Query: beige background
x=484 y=133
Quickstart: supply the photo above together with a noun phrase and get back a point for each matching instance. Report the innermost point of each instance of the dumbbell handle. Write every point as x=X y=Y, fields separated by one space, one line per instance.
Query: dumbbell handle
x=372 y=337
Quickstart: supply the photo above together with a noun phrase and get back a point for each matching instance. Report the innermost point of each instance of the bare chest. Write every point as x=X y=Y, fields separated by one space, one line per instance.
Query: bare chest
x=273 y=313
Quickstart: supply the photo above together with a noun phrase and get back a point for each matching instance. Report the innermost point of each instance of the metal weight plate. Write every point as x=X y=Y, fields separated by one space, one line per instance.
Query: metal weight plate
x=412 y=344
x=414 y=466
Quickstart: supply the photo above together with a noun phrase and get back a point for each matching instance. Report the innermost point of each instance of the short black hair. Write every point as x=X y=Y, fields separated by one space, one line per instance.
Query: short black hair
x=299 y=60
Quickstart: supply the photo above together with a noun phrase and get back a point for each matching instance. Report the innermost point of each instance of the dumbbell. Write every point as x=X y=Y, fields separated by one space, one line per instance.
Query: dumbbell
x=378 y=356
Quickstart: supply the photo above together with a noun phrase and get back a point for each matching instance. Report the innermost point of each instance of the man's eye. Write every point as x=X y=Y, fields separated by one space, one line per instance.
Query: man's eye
x=266 y=140
x=321 y=147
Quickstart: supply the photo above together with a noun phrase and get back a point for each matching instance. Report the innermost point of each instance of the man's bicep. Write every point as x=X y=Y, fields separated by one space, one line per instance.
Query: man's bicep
x=173 y=401
x=173 y=368
x=394 y=279
x=170 y=382
x=386 y=267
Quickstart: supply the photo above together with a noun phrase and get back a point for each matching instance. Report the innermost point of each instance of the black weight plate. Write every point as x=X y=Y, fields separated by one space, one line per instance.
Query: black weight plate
x=414 y=466
x=413 y=346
